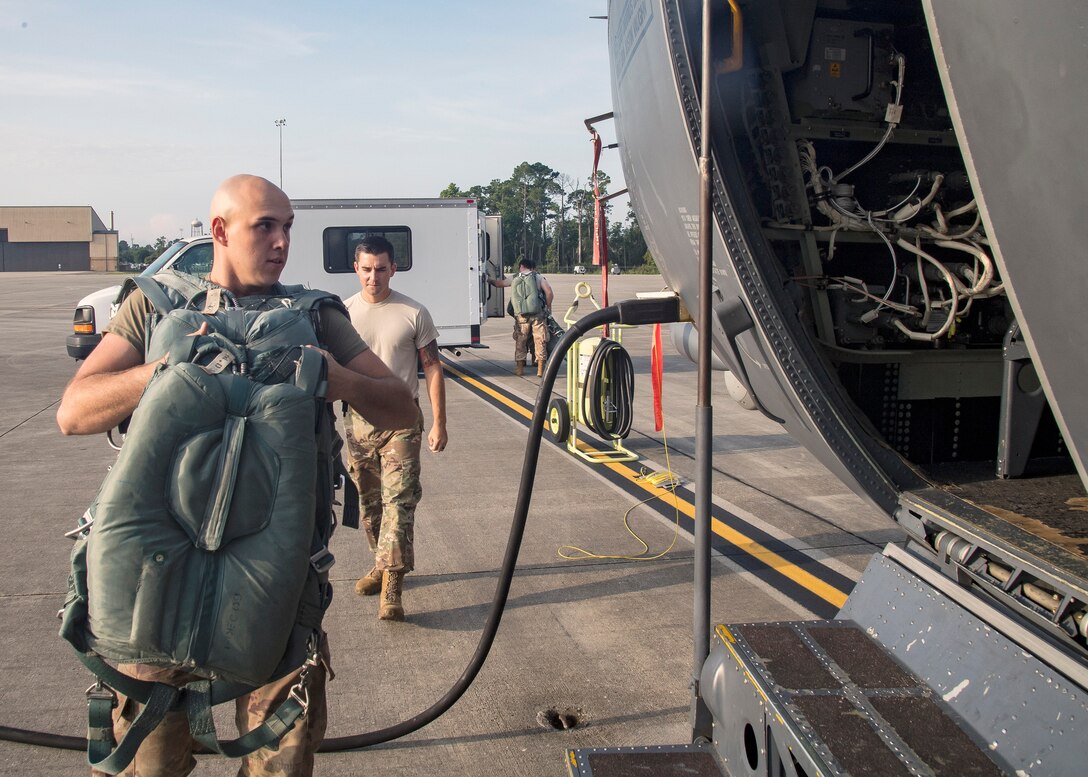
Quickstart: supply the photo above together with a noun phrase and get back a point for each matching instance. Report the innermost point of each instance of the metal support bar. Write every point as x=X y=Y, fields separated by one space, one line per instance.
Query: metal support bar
x=701 y=719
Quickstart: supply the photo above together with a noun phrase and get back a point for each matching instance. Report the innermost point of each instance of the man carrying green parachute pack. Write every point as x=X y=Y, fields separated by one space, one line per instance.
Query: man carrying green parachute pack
x=200 y=572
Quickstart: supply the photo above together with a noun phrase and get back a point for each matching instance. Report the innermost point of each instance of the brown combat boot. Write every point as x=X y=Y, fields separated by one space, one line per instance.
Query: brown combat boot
x=370 y=583
x=539 y=368
x=391 y=608
x=519 y=367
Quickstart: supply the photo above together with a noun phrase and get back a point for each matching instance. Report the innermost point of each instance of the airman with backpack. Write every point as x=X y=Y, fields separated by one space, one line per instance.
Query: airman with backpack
x=200 y=572
x=530 y=304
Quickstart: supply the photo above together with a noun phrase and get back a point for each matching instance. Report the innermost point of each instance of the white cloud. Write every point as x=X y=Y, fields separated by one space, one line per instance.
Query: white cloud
x=82 y=82
x=259 y=42
x=63 y=83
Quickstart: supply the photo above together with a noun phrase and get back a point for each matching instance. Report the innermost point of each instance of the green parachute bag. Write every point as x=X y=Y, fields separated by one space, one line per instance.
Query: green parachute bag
x=206 y=548
x=526 y=297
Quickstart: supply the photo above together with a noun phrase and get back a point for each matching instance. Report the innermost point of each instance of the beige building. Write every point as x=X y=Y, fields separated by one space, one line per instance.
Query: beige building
x=55 y=238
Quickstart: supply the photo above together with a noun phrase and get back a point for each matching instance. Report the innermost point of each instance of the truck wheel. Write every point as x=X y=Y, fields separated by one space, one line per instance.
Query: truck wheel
x=558 y=420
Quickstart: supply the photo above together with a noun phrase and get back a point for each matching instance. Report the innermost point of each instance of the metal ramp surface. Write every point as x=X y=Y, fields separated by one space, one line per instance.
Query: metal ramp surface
x=825 y=698
x=660 y=761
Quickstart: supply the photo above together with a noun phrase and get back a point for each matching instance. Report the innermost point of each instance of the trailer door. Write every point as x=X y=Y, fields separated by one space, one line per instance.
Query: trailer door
x=491 y=253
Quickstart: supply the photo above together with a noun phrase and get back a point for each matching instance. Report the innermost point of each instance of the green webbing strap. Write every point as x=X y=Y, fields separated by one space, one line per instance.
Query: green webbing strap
x=191 y=288
x=198 y=707
x=101 y=754
x=154 y=293
x=140 y=690
x=197 y=698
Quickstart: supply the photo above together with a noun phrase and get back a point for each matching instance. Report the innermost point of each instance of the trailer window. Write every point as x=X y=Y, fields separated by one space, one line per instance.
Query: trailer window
x=340 y=242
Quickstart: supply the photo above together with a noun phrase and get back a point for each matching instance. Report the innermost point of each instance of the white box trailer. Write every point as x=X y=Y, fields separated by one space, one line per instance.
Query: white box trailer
x=444 y=250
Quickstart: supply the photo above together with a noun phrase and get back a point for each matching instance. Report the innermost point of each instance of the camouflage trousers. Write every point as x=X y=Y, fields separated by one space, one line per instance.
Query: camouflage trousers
x=523 y=327
x=168 y=750
x=385 y=467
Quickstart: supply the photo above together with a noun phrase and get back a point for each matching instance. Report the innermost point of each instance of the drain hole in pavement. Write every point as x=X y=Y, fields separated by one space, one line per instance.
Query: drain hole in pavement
x=560 y=720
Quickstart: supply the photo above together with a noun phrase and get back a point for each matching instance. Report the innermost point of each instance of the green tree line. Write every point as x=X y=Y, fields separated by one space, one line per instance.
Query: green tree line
x=135 y=256
x=548 y=217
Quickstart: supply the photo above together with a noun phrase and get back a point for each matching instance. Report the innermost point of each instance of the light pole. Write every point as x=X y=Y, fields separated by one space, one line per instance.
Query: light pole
x=280 y=123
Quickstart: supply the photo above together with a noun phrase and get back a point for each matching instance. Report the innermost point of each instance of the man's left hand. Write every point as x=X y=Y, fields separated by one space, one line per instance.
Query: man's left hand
x=437 y=439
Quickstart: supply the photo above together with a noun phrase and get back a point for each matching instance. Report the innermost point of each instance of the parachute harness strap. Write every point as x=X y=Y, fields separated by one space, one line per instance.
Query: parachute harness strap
x=300 y=691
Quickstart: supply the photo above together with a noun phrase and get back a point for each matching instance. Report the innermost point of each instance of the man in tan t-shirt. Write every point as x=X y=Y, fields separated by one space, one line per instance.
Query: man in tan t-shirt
x=385 y=464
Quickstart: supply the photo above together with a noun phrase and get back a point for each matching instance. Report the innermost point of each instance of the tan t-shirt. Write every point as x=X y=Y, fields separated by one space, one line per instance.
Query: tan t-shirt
x=395 y=328
x=341 y=339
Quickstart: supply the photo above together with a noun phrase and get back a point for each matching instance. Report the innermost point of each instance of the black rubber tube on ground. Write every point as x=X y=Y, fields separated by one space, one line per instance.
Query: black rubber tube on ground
x=510 y=559
x=597 y=318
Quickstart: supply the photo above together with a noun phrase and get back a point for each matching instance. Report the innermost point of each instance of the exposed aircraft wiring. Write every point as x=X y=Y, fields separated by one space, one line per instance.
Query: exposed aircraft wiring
x=836 y=202
x=983 y=258
x=912 y=312
x=855 y=286
x=917 y=184
x=951 y=279
x=942 y=232
x=927 y=311
x=895 y=266
x=892 y=116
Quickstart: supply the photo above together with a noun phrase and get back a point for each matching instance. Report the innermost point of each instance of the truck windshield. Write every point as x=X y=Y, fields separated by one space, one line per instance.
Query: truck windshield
x=164 y=257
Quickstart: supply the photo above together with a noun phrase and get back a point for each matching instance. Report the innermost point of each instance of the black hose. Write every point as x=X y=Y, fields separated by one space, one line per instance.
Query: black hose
x=609 y=391
x=513 y=546
x=597 y=318
x=42 y=739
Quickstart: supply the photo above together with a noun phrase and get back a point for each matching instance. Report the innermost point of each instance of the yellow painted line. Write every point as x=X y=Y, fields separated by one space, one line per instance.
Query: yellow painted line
x=825 y=591
x=787 y=568
x=489 y=391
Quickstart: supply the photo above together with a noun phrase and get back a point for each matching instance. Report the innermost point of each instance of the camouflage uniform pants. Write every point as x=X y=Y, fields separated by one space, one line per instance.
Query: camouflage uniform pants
x=168 y=750
x=385 y=468
x=523 y=327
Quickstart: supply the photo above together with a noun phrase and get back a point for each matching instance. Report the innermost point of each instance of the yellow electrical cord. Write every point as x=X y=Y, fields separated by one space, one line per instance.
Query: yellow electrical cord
x=666 y=480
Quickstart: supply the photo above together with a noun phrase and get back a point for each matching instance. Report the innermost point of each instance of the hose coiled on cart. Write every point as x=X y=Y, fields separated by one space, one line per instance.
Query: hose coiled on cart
x=609 y=391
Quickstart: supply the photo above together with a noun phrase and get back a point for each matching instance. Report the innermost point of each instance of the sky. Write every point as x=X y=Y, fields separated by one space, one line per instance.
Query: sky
x=140 y=109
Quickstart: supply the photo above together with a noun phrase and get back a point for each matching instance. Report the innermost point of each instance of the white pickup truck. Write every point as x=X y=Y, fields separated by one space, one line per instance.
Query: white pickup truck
x=445 y=249
x=191 y=255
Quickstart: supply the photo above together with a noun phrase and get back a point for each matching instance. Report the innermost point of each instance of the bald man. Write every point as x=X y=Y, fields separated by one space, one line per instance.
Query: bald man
x=251 y=227
x=251 y=222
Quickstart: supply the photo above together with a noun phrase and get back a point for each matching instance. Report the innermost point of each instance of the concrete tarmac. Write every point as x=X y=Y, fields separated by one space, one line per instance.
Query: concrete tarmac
x=606 y=640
